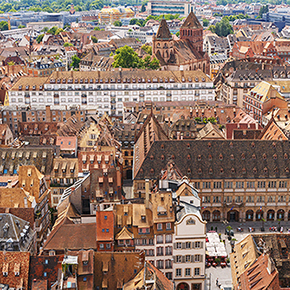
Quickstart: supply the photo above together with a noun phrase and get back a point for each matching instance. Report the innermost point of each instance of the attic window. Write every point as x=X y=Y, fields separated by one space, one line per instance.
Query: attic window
x=151 y=157
x=188 y=170
x=254 y=156
x=233 y=170
x=276 y=170
x=199 y=171
x=243 y=156
x=287 y=169
x=210 y=157
x=162 y=146
x=172 y=157
x=275 y=156
x=188 y=157
x=264 y=156
x=265 y=169
x=221 y=170
x=255 y=170
x=274 y=144
x=232 y=157
x=244 y=171
x=210 y=171
x=199 y=158
x=231 y=144
x=221 y=157
x=188 y=146
x=162 y=157
x=209 y=145
x=253 y=144
x=285 y=156
x=152 y=171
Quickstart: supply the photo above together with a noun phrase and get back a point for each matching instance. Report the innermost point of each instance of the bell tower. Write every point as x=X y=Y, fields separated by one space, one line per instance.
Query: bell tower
x=163 y=42
x=192 y=30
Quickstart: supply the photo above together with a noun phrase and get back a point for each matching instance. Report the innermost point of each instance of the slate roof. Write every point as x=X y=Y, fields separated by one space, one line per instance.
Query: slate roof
x=191 y=22
x=228 y=159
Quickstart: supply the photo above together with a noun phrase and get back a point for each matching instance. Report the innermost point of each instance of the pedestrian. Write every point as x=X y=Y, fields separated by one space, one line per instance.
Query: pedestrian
x=217 y=281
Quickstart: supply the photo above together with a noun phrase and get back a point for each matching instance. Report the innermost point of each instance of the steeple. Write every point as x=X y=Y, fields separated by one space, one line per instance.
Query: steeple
x=191 y=22
x=163 y=31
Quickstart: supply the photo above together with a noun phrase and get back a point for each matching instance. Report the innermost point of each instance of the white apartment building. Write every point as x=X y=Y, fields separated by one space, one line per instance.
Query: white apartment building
x=107 y=90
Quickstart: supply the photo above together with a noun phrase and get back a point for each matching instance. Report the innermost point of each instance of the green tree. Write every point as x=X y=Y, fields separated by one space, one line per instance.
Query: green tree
x=147 y=48
x=117 y=23
x=3 y=25
x=154 y=64
x=21 y=26
x=75 y=62
x=58 y=31
x=39 y=38
x=222 y=28
x=263 y=9
x=205 y=22
x=94 y=39
x=177 y=33
x=66 y=44
x=97 y=28
x=126 y=57
x=11 y=63
x=52 y=30
x=45 y=29
x=143 y=8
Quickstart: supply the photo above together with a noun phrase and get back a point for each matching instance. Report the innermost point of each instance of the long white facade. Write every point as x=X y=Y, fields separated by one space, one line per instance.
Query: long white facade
x=108 y=92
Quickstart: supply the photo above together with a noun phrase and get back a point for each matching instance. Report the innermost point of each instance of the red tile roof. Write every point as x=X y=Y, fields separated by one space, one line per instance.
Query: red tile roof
x=72 y=237
x=44 y=268
x=66 y=142
x=105 y=226
x=13 y=263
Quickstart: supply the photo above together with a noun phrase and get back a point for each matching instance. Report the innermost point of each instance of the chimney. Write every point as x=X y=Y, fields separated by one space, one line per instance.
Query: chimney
x=25 y=202
x=147 y=192
x=9 y=185
x=7 y=210
x=47 y=114
x=256 y=126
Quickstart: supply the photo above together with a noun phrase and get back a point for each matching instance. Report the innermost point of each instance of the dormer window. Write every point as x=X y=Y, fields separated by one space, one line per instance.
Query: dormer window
x=243 y=156
x=188 y=157
x=152 y=171
x=232 y=157
x=210 y=157
x=162 y=157
x=285 y=156
x=265 y=169
x=255 y=170
x=275 y=156
x=221 y=157
x=254 y=156
x=151 y=157
x=287 y=169
x=188 y=170
x=210 y=171
x=244 y=171
x=264 y=156
x=221 y=170
x=253 y=144
x=231 y=144
x=274 y=144
x=199 y=158
x=233 y=170
x=209 y=145
x=199 y=171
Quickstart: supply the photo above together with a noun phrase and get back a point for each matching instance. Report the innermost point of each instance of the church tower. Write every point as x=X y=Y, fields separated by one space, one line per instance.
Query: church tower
x=163 y=42
x=192 y=31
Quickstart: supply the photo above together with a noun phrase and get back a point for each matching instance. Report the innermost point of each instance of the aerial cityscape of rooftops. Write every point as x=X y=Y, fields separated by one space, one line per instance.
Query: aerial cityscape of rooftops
x=145 y=145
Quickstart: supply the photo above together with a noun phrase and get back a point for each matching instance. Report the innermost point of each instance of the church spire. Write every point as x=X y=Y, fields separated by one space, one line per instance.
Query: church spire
x=163 y=31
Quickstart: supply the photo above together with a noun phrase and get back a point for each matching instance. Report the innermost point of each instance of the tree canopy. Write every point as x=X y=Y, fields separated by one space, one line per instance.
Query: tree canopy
x=263 y=9
x=75 y=62
x=39 y=38
x=117 y=23
x=126 y=57
x=222 y=28
x=66 y=44
x=3 y=25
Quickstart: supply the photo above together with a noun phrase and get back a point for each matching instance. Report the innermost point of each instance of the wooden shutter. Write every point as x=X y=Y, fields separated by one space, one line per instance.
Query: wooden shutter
x=201 y=258
x=175 y=247
x=192 y=258
x=201 y=244
x=183 y=245
x=183 y=259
